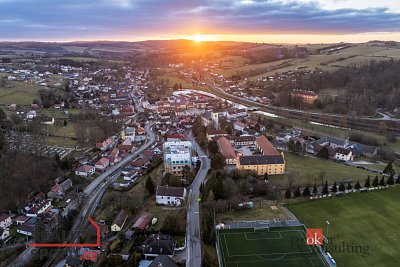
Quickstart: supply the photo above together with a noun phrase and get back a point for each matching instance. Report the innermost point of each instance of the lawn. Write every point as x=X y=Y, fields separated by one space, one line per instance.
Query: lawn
x=66 y=131
x=367 y=220
x=172 y=80
x=56 y=113
x=275 y=247
x=20 y=93
x=329 y=61
x=265 y=66
x=231 y=61
x=59 y=141
x=265 y=212
x=306 y=169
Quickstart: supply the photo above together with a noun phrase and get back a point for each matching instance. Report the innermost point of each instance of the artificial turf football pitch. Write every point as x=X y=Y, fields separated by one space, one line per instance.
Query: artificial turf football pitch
x=273 y=247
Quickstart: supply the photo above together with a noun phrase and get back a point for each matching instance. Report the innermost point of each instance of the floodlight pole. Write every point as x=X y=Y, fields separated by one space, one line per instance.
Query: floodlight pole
x=327 y=233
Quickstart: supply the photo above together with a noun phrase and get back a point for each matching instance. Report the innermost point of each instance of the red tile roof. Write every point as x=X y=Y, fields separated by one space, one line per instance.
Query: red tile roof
x=143 y=221
x=226 y=148
x=266 y=147
x=102 y=161
x=85 y=168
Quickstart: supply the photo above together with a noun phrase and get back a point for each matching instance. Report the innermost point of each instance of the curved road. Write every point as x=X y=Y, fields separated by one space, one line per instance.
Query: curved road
x=193 y=238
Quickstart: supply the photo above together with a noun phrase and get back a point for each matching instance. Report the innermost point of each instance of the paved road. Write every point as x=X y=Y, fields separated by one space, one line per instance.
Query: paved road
x=193 y=219
x=94 y=192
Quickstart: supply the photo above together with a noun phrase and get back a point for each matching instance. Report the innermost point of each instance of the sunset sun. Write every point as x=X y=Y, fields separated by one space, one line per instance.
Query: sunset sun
x=202 y=38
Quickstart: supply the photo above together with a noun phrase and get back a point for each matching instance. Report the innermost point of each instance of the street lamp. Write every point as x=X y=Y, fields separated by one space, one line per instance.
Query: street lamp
x=327 y=233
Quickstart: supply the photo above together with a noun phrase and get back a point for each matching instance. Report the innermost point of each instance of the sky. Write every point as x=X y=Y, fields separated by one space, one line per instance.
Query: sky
x=280 y=21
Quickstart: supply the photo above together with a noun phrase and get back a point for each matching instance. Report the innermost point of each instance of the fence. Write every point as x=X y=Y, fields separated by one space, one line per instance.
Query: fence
x=263 y=224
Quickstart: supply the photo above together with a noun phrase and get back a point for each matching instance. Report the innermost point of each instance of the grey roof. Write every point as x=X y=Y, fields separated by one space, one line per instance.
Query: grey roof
x=170 y=191
x=261 y=159
x=162 y=261
x=159 y=244
x=337 y=141
x=356 y=148
x=362 y=149
x=207 y=115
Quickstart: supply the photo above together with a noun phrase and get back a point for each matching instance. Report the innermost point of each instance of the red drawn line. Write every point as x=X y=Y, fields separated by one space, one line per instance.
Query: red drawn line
x=57 y=245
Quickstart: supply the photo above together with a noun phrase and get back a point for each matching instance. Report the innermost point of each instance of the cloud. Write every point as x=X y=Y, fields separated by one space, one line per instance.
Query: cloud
x=112 y=18
x=119 y=3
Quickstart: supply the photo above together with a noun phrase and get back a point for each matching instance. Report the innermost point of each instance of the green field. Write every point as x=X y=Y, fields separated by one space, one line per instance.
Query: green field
x=267 y=248
x=264 y=66
x=172 y=80
x=231 y=61
x=20 y=93
x=265 y=212
x=306 y=170
x=329 y=61
x=368 y=220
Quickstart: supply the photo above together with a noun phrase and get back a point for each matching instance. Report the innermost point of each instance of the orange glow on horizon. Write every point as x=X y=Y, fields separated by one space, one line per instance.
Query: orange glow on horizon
x=262 y=38
x=202 y=38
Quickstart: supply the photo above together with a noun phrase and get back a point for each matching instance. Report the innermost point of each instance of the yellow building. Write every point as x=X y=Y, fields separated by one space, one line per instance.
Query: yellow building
x=261 y=164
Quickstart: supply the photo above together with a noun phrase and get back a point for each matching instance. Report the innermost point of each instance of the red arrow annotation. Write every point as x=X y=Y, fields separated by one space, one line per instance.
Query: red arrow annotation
x=57 y=245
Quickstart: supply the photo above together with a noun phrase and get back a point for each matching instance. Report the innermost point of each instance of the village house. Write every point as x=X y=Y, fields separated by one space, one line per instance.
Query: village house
x=335 y=153
x=115 y=152
x=140 y=163
x=5 y=221
x=86 y=170
x=20 y=220
x=105 y=144
x=55 y=191
x=128 y=134
x=234 y=114
x=158 y=244
x=27 y=228
x=356 y=148
x=171 y=196
x=163 y=261
x=239 y=126
x=126 y=146
x=307 y=97
x=119 y=221
x=102 y=164
x=67 y=184
x=142 y=222
x=4 y=233
x=140 y=134
x=37 y=208
x=47 y=120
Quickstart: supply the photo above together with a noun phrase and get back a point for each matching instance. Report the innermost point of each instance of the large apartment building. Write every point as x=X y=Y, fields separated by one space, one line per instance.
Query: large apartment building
x=177 y=155
x=261 y=164
x=270 y=161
